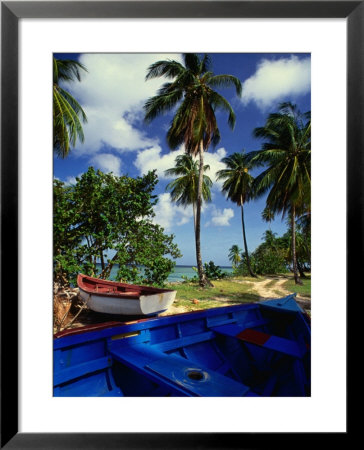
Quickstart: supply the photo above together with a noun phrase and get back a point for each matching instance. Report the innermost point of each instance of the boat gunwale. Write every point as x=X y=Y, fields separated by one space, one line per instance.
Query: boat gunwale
x=92 y=332
x=121 y=295
x=134 y=325
x=151 y=289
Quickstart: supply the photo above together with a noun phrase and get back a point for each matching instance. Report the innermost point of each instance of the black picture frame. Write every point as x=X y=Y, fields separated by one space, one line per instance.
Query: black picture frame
x=11 y=13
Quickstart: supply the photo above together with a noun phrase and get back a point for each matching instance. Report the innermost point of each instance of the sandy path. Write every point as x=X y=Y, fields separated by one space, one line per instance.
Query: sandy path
x=275 y=290
x=266 y=289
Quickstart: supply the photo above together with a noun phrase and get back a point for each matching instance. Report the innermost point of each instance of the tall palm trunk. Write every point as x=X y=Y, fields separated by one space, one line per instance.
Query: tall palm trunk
x=203 y=280
x=194 y=216
x=294 y=257
x=252 y=274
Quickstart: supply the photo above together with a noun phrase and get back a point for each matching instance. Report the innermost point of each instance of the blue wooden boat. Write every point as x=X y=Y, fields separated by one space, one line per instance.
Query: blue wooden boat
x=257 y=349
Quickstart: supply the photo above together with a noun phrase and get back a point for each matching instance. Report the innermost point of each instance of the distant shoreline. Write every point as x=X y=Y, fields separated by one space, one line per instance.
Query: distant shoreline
x=178 y=273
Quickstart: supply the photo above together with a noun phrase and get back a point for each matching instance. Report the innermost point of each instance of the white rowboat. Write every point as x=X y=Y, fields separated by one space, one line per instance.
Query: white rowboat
x=126 y=299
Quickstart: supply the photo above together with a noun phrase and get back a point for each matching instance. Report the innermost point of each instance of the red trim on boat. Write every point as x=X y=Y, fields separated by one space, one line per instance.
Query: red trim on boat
x=97 y=326
x=253 y=336
x=98 y=286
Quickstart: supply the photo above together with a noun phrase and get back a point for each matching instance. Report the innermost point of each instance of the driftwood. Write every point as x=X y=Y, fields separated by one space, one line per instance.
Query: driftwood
x=66 y=301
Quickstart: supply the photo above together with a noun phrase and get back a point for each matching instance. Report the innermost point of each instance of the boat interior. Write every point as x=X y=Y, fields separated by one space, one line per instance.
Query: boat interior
x=244 y=350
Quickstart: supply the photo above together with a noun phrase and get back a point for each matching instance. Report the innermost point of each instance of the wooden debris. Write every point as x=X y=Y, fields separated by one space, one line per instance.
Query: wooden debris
x=67 y=305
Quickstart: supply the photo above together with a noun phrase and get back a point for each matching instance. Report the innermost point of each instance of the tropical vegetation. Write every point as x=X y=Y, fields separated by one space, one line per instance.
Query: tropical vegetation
x=286 y=158
x=108 y=220
x=213 y=272
x=183 y=189
x=274 y=254
x=234 y=255
x=194 y=124
x=238 y=186
x=104 y=221
x=68 y=114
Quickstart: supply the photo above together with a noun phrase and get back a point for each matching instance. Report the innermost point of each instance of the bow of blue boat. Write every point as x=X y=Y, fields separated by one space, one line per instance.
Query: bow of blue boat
x=260 y=349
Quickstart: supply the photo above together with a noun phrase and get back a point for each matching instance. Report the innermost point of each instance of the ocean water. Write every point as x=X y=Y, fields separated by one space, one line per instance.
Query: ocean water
x=177 y=273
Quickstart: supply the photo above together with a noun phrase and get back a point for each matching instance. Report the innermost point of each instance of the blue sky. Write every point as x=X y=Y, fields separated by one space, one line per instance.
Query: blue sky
x=117 y=140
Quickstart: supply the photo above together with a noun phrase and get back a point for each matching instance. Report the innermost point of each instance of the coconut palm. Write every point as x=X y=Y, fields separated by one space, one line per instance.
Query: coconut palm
x=286 y=156
x=184 y=188
x=238 y=186
x=267 y=215
x=67 y=112
x=234 y=255
x=194 y=124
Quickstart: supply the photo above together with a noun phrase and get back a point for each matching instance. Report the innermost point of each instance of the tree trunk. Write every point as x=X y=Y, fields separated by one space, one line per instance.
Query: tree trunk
x=106 y=272
x=300 y=270
x=294 y=257
x=102 y=260
x=194 y=216
x=203 y=280
x=252 y=274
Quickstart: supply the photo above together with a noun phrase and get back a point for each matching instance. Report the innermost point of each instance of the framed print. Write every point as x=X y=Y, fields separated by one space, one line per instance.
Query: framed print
x=332 y=32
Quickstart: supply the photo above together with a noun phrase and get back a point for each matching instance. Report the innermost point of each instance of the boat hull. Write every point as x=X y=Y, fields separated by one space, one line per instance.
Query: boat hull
x=111 y=297
x=245 y=350
x=144 y=305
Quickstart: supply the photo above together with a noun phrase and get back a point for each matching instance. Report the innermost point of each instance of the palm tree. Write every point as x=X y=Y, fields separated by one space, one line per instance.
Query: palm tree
x=287 y=152
x=238 y=186
x=67 y=127
x=267 y=215
x=184 y=188
x=194 y=123
x=234 y=255
x=269 y=238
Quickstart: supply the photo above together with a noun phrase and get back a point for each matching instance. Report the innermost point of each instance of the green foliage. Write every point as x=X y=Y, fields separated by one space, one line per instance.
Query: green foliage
x=303 y=249
x=103 y=215
x=274 y=255
x=183 y=188
x=234 y=255
x=238 y=182
x=212 y=272
x=286 y=158
x=238 y=186
x=270 y=257
x=67 y=112
x=190 y=92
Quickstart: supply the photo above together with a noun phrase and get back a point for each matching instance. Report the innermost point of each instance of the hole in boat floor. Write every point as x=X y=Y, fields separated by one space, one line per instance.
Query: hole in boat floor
x=195 y=375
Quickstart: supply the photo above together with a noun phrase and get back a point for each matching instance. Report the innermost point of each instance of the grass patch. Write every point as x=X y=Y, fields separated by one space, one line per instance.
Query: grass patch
x=224 y=292
x=304 y=290
x=244 y=278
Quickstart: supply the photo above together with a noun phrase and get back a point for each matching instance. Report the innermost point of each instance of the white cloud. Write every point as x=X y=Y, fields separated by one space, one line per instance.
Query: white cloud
x=107 y=163
x=276 y=80
x=168 y=214
x=69 y=181
x=220 y=217
x=152 y=158
x=112 y=93
x=213 y=159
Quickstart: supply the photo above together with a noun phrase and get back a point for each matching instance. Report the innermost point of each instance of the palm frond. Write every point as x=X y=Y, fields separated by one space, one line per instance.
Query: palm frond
x=160 y=104
x=67 y=70
x=167 y=68
x=226 y=81
x=219 y=102
x=192 y=62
